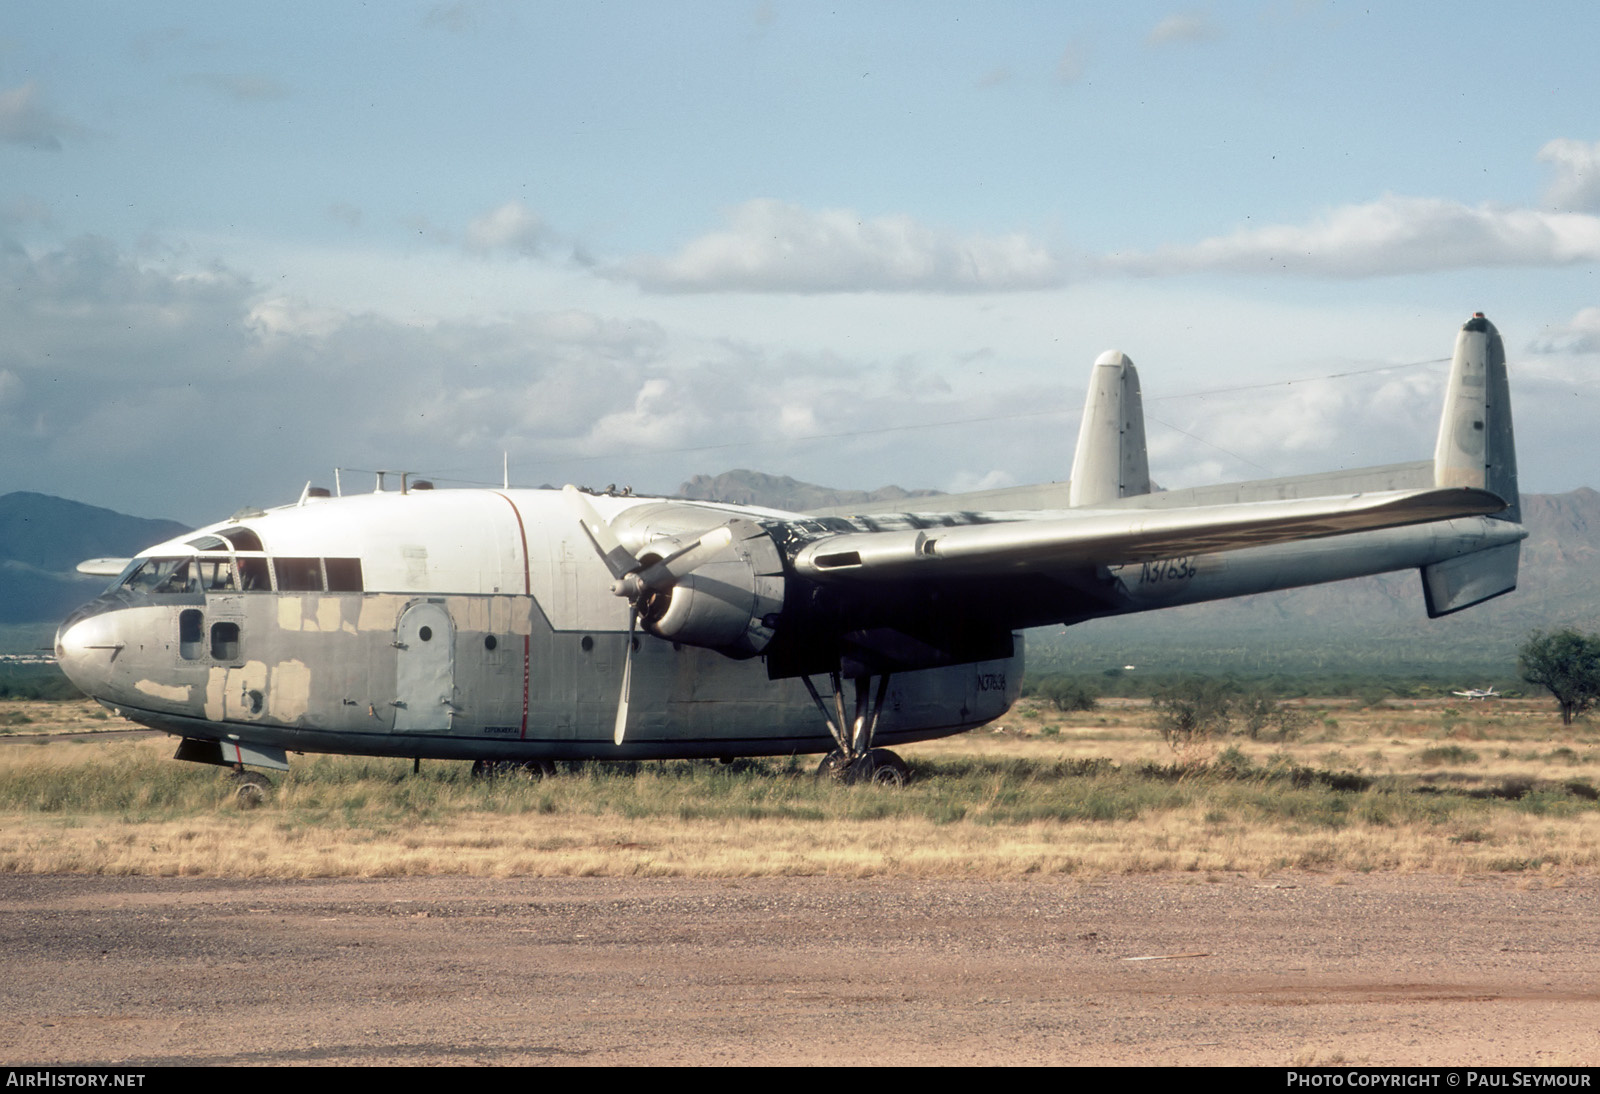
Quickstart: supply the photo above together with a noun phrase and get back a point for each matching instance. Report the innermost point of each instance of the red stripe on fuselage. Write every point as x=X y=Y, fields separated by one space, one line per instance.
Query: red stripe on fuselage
x=527 y=590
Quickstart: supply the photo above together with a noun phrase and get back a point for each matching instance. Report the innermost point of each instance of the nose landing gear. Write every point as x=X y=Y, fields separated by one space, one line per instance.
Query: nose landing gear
x=250 y=788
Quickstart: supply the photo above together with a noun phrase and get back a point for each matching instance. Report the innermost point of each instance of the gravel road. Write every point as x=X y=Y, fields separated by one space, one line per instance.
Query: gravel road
x=1294 y=969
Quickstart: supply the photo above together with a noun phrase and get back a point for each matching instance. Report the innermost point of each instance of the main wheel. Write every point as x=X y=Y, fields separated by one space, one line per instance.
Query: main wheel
x=889 y=769
x=250 y=789
x=834 y=767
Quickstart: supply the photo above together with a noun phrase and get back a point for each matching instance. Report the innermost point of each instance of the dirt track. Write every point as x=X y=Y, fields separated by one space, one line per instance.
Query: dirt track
x=1394 y=970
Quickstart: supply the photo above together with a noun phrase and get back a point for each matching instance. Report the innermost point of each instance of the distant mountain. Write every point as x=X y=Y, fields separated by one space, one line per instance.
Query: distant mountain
x=782 y=492
x=42 y=540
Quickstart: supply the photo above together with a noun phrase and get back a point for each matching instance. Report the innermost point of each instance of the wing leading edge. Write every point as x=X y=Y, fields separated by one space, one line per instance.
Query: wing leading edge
x=1107 y=537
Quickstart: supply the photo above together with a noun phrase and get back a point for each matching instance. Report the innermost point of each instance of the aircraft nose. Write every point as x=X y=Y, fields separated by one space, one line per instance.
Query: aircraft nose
x=86 y=646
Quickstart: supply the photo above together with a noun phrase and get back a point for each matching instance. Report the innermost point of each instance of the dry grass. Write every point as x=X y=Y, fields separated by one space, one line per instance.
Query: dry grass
x=1493 y=787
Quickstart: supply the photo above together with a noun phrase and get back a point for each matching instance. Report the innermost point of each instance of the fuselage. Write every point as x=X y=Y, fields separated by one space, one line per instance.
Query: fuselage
x=447 y=624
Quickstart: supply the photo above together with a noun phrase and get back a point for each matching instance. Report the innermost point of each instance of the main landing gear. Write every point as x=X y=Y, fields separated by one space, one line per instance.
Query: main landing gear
x=855 y=760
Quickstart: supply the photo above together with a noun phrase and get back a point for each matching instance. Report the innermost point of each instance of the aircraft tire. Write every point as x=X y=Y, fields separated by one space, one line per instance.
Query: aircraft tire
x=250 y=789
x=888 y=769
x=835 y=768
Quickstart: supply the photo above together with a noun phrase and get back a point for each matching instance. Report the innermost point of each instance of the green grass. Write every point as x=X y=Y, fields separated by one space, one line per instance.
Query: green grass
x=360 y=793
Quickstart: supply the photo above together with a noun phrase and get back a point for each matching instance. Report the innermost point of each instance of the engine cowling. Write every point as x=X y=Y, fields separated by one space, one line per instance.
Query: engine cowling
x=726 y=603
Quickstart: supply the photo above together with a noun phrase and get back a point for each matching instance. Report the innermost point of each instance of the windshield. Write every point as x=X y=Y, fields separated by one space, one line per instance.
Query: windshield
x=163 y=575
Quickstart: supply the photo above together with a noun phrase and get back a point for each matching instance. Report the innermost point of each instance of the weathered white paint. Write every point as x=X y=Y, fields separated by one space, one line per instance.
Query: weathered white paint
x=289 y=697
x=174 y=693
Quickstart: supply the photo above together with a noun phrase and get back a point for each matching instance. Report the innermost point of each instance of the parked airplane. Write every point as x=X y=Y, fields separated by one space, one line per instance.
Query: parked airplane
x=527 y=626
x=1478 y=693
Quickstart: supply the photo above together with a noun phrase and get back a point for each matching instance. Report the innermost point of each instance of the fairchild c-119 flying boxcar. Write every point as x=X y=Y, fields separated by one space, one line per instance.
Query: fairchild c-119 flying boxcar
x=528 y=626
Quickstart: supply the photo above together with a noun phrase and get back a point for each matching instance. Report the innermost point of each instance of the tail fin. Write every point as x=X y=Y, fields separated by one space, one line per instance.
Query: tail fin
x=1476 y=448
x=1111 y=460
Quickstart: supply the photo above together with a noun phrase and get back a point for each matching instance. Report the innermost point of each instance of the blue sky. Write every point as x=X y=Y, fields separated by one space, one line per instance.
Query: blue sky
x=856 y=244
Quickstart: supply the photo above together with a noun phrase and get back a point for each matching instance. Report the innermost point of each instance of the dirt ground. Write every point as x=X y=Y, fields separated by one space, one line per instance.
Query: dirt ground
x=1296 y=969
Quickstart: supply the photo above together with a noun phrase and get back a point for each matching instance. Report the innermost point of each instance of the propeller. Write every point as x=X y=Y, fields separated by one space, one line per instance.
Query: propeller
x=635 y=580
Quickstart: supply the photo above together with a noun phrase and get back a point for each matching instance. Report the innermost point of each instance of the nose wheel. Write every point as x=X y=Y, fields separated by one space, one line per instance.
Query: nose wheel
x=250 y=788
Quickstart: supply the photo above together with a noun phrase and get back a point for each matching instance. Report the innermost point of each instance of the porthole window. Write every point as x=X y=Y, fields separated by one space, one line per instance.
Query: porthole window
x=490 y=642
x=426 y=634
x=587 y=643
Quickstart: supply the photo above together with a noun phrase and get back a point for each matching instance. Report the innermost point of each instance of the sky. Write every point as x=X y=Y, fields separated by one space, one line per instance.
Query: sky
x=858 y=244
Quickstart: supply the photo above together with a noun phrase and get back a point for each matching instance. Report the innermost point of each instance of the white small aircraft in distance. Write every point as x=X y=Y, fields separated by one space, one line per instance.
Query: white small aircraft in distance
x=528 y=626
x=1477 y=693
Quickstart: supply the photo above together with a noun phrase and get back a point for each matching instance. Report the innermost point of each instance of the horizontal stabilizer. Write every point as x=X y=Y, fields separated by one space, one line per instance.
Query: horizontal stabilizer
x=1119 y=536
x=1458 y=583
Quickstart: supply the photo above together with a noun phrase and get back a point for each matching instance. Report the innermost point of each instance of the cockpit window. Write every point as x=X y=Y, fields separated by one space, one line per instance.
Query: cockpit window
x=243 y=539
x=253 y=576
x=164 y=576
x=298 y=574
x=215 y=573
x=208 y=543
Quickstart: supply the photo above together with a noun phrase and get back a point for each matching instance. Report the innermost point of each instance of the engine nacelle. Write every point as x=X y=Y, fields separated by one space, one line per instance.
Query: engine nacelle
x=725 y=604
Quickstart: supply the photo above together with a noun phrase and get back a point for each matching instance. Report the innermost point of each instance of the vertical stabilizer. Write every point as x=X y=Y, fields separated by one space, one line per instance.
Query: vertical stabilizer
x=1476 y=447
x=1110 y=462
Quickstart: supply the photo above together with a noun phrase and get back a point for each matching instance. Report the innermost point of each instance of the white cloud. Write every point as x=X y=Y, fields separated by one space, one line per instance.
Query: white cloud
x=1392 y=235
x=1188 y=26
x=996 y=76
x=241 y=86
x=345 y=213
x=1581 y=334
x=1577 y=175
x=1309 y=426
x=774 y=246
x=456 y=17
x=1072 y=64
x=25 y=120
x=511 y=227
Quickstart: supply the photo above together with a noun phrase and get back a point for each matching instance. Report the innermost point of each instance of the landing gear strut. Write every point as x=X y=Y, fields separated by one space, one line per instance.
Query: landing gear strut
x=855 y=760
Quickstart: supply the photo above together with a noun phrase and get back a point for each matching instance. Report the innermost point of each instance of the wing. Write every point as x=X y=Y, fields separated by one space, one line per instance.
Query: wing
x=1106 y=537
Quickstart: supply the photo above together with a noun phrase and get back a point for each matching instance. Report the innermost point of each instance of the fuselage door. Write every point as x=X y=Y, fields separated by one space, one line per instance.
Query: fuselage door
x=424 y=669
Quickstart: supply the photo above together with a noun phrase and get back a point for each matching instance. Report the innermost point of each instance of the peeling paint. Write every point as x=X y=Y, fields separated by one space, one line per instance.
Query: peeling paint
x=327 y=613
x=378 y=613
x=241 y=681
x=171 y=692
x=289 y=613
x=290 y=695
x=216 y=685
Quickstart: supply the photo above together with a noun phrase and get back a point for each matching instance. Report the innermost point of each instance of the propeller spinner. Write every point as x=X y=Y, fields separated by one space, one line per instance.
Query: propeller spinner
x=637 y=581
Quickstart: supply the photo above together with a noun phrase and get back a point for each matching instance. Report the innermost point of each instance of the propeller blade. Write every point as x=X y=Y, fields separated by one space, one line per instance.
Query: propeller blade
x=666 y=573
x=617 y=558
x=627 y=680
